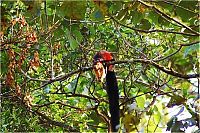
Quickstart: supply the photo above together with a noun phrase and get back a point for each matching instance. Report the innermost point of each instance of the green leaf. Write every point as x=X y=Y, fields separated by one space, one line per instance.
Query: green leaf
x=157 y=117
x=185 y=87
x=192 y=48
x=162 y=21
x=184 y=14
x=116 y=6
x=121 y=14
x=72 y=41
x=136 y=17
x=144 y=24
x=165 y=6
x=191 y=5
x=78 y=35
x=92 y=30
x=59 y=32
x=49 y=11
x=97 y=15
x=73 y=9
x=153 y=17
x=140 y=101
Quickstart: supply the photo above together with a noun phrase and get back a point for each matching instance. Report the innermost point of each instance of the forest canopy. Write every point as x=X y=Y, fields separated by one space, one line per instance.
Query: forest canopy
x=47 y=49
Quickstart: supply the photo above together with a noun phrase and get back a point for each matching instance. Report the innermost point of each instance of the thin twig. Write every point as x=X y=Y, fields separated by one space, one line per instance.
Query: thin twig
x=77 y=79
x=33 y=79
x=169 y=2
x=180 y=46
x=84 y=96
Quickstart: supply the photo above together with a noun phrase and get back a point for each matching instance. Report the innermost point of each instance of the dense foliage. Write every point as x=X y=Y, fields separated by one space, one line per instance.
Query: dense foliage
x=47 y=82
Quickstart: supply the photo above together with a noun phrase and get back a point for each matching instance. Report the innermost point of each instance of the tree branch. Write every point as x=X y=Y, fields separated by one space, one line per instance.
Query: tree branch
x=162 y=14
x=173 y=4
x=84 y=96
x=151 y=31
x=160 y=67
x=150 y=62
x=32 y=79
x=63 y=77
x=56 y=123
x=64 y=104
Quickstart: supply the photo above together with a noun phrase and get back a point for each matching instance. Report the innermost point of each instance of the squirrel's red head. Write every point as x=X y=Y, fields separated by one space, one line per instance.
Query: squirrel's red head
x=99 y=64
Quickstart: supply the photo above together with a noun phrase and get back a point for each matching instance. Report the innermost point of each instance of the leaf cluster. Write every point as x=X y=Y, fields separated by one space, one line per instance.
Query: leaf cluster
x=47 y=49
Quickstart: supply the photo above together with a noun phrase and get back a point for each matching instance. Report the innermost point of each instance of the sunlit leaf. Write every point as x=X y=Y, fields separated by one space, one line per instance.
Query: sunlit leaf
x=141 y=101
x=122 y=14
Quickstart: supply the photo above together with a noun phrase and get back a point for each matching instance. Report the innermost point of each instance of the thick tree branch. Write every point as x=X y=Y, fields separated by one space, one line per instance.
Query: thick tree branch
x=150 y=62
